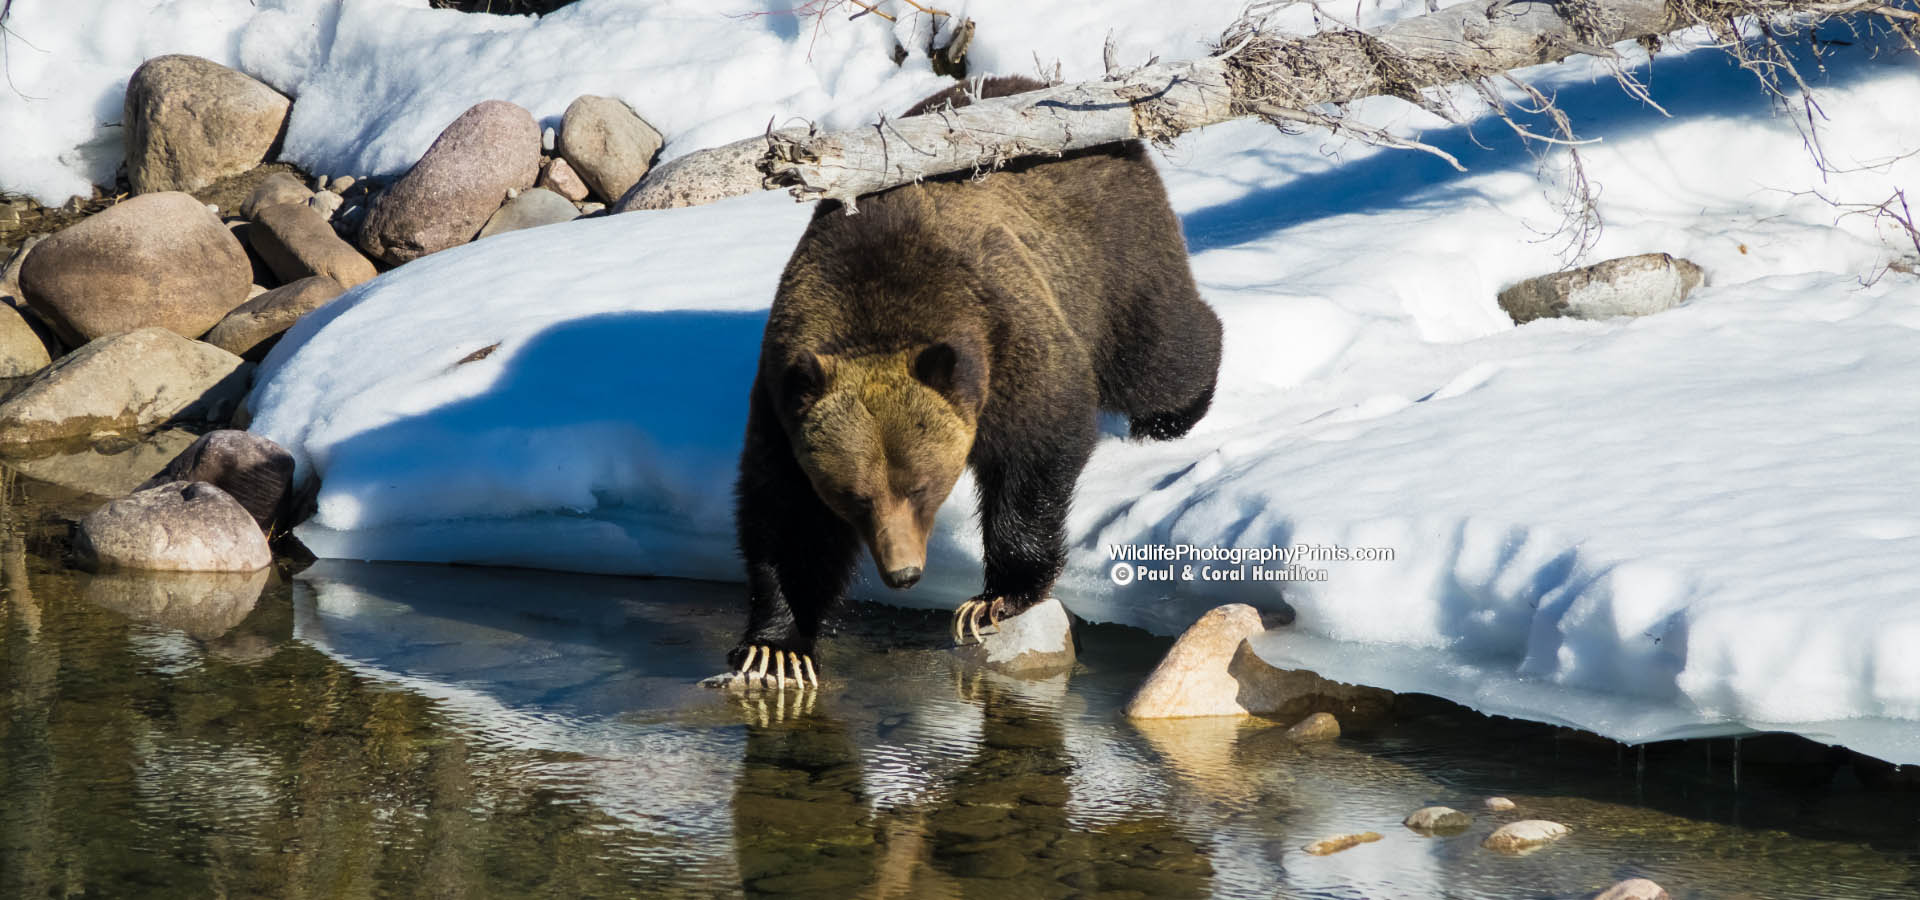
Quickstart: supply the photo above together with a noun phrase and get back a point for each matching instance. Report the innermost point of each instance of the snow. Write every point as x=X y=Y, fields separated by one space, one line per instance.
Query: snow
x=1694 y=523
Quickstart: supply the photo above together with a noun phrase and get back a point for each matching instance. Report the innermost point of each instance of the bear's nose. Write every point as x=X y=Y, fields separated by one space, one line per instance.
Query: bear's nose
x=903 y=577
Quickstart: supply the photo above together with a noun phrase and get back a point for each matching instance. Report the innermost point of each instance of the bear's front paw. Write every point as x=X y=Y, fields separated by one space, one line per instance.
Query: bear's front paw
x=751 y=669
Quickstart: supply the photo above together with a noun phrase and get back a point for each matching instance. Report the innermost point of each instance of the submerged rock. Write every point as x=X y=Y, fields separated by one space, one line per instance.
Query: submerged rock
x=253 y=470
x=134 y=381
x=1629 y=286
x=110 y=468
x=1525 y=836
x=1315 y=728
x=1341 y=842
x=448 y=195
x=182 y=526
x=1438 y=820
x=156 y=260
x=1634 y=889
x=204 y=605
x=1211 y=671
x=1034 y=643
x=1498 y=804
x=191 y=121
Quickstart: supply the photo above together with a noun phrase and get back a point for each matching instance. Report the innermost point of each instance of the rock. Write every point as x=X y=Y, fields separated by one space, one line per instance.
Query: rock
x=319 y=183
x=182 y=526
x=109 y=468
x=341 y=184
x=1438 y=820
x=326 y=203
x=1499 y=804
x=1629 y=286
x=531 y=209
x=588 y=210
x=445 y=198
x=1034 y=643
x=610 y=146
x=10 y=275
x=205 y=605
x=548 y=139
x=155 y=260
x=1316 y=728
x=256 y=472
x=1211 y=671
x=697 y=178
x=22 y=352
x=1634 y=889
x=252 y=329
x=138 y=380
x=560 y=178
x=275 y=189
x=297 y=242
x=191 y=121
x=1342 y=842
x=1525 y=836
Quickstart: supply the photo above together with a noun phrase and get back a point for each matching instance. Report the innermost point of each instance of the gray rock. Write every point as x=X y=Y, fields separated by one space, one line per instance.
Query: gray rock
x=1634 y=889
x=1629 y=286
x=560 y=178
x=1316 y=728
x=154 y=260
x=182 y=526
x=1525 y=836
x=275 y=189
x=204 y=605
x=22 y=352
x=592 y=209
x=531 y=209
x=1438 y=820
x=256 y=325
x=326 y=203
x=139 y=380
x=608 y=144
x=297 y=242
x=698 y=178
x=253 y=470
x=109 y=468
x=1033 y=644
x=449 y=194
x=191 y=121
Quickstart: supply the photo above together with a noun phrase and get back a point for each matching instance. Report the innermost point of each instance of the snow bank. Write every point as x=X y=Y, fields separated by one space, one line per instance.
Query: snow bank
x=1692 y=523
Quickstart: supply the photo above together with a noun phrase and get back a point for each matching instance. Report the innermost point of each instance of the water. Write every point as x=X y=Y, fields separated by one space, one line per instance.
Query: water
x=364 y=730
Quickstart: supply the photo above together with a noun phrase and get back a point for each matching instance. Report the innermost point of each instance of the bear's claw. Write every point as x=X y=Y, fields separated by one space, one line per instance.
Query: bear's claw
x=967 y=618
x=805 y=677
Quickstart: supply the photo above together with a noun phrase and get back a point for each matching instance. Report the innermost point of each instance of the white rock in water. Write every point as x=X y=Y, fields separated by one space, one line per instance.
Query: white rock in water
x=1634 y=889
x=1038 y=641
x=1499 y=804
x=1525 y=835
x=1438 y=820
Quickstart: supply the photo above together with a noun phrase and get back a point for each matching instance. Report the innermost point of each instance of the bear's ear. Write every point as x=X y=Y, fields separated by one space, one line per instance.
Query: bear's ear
x=803 y=382
x=935 y=366
x=958 y=374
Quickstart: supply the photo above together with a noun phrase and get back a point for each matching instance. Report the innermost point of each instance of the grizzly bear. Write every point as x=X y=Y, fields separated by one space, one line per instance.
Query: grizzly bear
x=958 y=323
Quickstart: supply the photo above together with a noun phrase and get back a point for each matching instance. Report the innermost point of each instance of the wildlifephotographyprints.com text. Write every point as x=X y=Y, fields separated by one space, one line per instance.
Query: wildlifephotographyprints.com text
x=1194 y=562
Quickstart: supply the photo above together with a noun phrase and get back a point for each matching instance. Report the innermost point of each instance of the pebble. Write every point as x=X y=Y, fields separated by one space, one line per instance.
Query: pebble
x=1342 y=842
x=1499 y=804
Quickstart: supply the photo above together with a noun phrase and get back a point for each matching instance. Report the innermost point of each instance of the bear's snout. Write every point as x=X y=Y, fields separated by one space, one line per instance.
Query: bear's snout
x=903 y=577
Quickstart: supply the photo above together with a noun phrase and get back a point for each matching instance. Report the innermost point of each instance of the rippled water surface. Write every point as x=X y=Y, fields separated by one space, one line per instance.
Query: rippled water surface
x=370 y=730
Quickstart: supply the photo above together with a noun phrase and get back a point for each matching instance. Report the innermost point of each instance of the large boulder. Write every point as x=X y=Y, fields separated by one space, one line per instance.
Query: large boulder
x=531 y=209
x=699 y=178
x=155 y=260
x=610 y=146
x=256 y=325
x=1629 y=286
x=134 y=381
x=253 y=470
x=297 y=242
x=191 y=121
x=183 y=526
x=1211 y=671
x=448 y=195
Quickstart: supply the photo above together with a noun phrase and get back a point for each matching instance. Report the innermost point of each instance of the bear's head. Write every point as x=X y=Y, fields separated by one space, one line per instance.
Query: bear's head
x=883 y=437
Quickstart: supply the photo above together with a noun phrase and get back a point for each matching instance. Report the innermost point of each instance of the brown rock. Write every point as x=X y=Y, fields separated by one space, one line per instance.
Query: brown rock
x=608 y=144
x=1296 y=693
x=1634 y=889
x=134 y=381
x=109 y=468
x=1525 y=836
x=180 y=527
x=252 y=329
x=1316 y=728
x=1342 y=842
x=448 y=195
x=1629 y=286
x=253 y=470
x=22 y=352
x=275 y=189
x=560 y=178
x=192 y=121
x=1211 y=671
x=297 y=242
x=531 y=209
x=155 y=260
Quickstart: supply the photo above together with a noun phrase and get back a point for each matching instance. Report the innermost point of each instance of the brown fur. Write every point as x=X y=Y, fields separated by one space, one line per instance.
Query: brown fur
x=961 y=322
